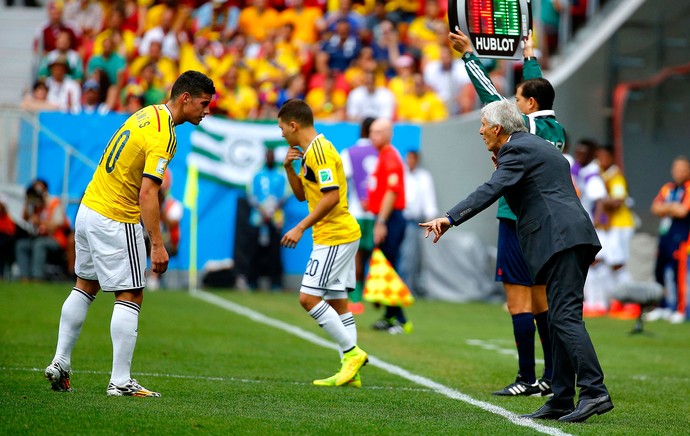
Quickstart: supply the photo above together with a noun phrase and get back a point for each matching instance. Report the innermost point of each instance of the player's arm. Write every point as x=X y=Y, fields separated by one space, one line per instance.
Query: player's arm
x=475 y=69
x=680 y=209
x=329 y=200
x=659 y=209
x=617 y=195
x=659 y=206
x=530 y=68
x=292 y=155
x=159 y=148
x=380 y=229
x=150 y=215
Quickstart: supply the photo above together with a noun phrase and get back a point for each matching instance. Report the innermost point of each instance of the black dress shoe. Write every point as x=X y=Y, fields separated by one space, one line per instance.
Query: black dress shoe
x=587 y=408
x=548 y=412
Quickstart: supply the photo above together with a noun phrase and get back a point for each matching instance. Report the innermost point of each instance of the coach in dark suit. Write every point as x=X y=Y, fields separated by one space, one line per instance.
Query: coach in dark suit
x=559 y=243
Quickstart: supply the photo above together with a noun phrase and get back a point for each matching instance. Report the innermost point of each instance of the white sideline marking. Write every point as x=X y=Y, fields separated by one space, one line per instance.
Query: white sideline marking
x=374 y=361
x=202 y=377
x=492 y=347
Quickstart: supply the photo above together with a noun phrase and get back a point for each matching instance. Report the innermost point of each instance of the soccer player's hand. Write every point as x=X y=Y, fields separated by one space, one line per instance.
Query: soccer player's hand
x=459 y=41
x=438 y=226
x=292 y=155
x=291 y=238
x=159 y=259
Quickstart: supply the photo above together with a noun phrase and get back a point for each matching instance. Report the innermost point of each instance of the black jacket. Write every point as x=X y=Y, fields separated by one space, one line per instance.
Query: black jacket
x=535 y=180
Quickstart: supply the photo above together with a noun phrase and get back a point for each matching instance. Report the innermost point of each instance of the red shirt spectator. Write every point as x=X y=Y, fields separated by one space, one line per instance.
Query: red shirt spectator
x=47 y=34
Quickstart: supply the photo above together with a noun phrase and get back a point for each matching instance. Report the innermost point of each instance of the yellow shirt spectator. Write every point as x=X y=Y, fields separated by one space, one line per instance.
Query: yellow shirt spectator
x=303 y=22
x=617 y=189
x=258 y=23
x=401 y=86
x=422 y=105
x=125 y=41
x=206 y=61
x=354 y=76
x=239 y=103
x=327 y=107
x=409 y=6
x=166 y=68
x=424 y=30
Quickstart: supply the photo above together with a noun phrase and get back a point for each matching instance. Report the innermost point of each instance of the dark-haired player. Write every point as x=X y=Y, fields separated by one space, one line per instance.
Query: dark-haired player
x=330 y=271
x=109 y=237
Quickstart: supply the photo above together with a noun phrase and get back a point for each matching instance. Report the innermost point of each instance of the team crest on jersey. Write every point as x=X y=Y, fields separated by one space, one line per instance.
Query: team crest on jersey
x=162 y=164
x=325 y=176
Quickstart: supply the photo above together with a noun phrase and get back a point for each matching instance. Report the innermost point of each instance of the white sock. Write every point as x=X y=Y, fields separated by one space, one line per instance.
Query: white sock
x=72 y=319
x=595 y=287
x=330 y=321
x=349 y=322
x=123 y=331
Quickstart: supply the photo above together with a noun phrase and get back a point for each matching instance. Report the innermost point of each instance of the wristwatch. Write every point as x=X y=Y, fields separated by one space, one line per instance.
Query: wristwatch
x=530 y=58
x=380 y=221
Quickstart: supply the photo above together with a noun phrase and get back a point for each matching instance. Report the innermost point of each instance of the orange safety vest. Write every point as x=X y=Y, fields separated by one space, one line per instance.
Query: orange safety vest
x=60 y=233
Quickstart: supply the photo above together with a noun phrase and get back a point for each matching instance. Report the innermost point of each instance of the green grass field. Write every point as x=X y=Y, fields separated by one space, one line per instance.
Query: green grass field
x=223 y=373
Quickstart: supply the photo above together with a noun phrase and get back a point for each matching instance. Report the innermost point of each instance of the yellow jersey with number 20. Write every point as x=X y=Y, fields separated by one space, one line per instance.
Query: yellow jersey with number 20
x=142 y=147
x=322 y=170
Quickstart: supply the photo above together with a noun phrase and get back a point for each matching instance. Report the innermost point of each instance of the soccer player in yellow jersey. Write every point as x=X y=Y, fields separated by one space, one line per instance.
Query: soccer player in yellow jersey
x=109 y=237
x=330 y=271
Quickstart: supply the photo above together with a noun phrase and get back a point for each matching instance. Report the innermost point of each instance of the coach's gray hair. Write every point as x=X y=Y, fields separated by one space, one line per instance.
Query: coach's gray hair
x=504 y=113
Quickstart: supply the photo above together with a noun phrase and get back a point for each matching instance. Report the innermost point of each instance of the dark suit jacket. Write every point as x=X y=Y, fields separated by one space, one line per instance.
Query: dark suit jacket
x=535 y=180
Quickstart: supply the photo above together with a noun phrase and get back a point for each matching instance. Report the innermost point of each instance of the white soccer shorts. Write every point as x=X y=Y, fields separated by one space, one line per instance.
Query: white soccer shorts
x=109 y=251
x=330 y=271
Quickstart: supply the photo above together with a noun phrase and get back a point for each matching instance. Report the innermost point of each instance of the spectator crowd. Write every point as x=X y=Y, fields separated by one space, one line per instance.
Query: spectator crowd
x=348 y=59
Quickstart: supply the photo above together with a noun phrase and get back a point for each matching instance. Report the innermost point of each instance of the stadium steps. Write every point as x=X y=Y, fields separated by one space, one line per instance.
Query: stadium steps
x=18 y=25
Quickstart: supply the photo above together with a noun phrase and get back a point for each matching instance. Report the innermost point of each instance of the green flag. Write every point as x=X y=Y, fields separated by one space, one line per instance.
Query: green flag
x=231 y=152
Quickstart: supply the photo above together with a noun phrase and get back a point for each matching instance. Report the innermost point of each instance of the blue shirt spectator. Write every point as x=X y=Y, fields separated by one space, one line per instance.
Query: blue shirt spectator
x=342 y=47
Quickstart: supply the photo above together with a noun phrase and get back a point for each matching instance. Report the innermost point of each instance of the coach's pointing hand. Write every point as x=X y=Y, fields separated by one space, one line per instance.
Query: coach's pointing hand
x=439 y=226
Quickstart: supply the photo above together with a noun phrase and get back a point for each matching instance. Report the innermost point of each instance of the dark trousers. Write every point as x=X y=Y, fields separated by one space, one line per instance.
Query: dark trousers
x=573 y=353
x=394 y=238
x=390 y=247
x=265 y=259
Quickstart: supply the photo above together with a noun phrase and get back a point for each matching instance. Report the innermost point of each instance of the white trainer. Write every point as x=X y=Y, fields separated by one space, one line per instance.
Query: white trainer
x=58 y=377
x=676 y=318
x=131 y=389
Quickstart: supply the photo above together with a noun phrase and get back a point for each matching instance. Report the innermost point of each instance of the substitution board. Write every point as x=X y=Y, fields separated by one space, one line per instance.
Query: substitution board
x=496 y=28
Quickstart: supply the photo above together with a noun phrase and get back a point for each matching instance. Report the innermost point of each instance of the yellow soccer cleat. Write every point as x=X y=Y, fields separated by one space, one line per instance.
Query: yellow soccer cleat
x=356 y=381
x=353 y=360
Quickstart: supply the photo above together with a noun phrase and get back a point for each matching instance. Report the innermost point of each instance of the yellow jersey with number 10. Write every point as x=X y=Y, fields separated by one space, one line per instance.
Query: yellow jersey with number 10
x=322 y=170
x=142 y=147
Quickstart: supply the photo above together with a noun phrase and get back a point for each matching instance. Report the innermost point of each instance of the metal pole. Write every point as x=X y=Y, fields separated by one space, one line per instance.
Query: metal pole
x=5 y=150
x=34 y=146
x=565 y=25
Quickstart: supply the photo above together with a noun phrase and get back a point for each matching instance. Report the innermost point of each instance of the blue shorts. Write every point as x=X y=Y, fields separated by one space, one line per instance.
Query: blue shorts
x=510 y=262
